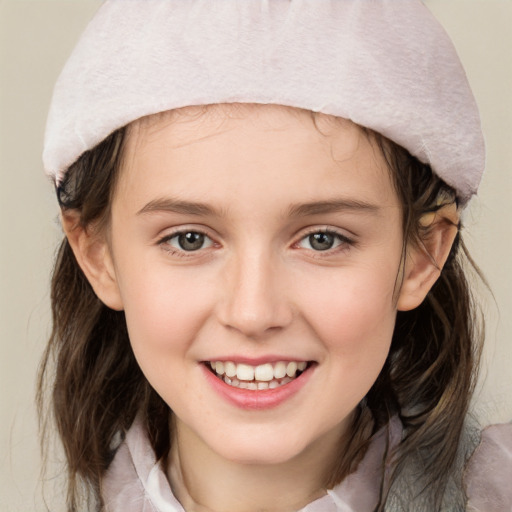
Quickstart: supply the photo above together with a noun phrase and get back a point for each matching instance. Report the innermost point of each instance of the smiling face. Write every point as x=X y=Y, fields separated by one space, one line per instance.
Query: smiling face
x=255 y=241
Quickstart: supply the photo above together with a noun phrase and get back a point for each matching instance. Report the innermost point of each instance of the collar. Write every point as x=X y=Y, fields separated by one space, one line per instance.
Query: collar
x=136 y=481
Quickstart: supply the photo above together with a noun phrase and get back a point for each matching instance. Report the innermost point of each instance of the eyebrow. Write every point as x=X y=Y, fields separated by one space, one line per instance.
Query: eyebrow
x=332 y=206
x=178 y=206
x=298 y=210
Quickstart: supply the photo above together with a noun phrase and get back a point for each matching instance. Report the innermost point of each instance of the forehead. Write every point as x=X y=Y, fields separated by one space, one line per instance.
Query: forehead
x=190 y=125
x=238 y=148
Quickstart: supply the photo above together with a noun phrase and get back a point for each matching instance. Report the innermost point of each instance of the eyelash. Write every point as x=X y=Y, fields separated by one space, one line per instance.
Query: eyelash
x=344 y=242
x=164 y=242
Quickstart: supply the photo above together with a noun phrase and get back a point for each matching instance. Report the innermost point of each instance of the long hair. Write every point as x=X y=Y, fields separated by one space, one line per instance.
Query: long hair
x=97 y=387
x=432 y=367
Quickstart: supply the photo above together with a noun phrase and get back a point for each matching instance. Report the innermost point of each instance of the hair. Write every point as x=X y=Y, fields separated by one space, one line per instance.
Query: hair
x=97 y=387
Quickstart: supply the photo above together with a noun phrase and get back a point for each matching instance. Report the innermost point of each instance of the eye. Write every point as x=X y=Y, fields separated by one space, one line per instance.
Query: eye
x=188 y=241
x=323 y=241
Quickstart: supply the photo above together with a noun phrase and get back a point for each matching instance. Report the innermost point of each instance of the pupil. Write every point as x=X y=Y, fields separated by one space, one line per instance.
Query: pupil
x=321 y=241
x=191 y=241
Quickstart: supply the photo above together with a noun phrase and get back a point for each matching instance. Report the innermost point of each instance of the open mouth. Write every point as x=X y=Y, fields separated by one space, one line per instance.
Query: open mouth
x=261 y=377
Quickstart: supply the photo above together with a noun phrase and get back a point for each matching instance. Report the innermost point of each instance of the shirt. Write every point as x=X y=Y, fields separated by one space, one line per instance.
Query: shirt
x=136 y=481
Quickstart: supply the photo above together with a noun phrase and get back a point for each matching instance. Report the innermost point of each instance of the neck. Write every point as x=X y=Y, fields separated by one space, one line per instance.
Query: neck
x=205 y=482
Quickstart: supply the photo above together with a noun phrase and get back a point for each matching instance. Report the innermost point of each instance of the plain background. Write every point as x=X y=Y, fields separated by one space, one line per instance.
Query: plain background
x=35 y=39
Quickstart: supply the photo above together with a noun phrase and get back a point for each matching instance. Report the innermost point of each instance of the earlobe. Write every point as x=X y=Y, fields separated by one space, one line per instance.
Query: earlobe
x=94 y=257
x=425 y=261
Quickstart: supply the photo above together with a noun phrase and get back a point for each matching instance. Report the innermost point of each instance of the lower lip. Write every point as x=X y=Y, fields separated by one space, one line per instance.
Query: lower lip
x=257 y=399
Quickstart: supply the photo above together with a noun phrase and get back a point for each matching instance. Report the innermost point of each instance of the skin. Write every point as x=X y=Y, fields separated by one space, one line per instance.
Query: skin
x=256 y=288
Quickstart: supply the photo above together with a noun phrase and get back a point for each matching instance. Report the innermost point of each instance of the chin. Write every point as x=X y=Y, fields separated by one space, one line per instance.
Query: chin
x=250 y=449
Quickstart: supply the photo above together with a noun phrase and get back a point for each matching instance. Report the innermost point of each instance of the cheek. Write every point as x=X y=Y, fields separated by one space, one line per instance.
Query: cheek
x=355 y=324
x=163 y=318
x=163 y=309
x=354 y=314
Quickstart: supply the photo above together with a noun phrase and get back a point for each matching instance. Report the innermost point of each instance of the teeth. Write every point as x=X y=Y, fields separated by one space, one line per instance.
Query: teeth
x=244 y=372
x=264 y=372
x=280 y=370
x=291 y=369
x=263 y=376
x=253 y=385
x=230 y=369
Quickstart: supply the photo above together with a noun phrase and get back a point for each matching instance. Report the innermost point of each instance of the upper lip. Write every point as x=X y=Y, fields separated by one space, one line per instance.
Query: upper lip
x=256 y=361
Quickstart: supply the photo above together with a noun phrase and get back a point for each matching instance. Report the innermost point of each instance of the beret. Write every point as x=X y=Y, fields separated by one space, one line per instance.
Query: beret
x=387 y=65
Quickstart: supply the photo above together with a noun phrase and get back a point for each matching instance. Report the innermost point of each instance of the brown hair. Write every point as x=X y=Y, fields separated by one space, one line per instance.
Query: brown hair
x=431 y=370
x=97 y=387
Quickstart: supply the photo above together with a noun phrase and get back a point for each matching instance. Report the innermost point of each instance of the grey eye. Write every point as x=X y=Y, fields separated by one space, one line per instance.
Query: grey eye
x=324 y=241
x=321 y=241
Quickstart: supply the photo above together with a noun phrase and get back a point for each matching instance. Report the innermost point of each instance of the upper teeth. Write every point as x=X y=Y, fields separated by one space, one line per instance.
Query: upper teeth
x=263 y=372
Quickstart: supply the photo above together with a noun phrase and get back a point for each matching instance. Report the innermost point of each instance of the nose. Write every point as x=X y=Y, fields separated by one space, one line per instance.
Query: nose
x=255 y=300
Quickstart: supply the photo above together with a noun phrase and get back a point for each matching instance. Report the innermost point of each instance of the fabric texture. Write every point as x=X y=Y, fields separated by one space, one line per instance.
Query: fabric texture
x=387 y=65
x=489 y=472
x=136 y=482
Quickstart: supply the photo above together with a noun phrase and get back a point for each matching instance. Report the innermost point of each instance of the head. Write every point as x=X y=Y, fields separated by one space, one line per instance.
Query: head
x=262 y=235
x=310 y=240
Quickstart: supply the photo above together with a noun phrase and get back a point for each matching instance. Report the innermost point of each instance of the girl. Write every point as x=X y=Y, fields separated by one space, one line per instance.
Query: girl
x=261 y=300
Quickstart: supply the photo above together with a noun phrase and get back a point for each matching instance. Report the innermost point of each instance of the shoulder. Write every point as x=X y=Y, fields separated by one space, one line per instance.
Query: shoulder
x=481 y=478
x=135 y=480
x=488 y=474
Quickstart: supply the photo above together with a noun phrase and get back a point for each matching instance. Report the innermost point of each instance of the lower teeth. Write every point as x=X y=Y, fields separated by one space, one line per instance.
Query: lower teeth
x=254 y=385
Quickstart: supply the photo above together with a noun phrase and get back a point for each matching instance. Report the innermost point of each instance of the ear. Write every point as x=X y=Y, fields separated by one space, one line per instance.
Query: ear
x=425 y=260
x=93 y=254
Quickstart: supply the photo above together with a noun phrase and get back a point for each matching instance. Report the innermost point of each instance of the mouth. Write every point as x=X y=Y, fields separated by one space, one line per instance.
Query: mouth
x=261 y=377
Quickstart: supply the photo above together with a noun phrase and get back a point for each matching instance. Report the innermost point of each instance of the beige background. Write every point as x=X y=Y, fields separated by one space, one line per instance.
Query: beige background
x=35 y=38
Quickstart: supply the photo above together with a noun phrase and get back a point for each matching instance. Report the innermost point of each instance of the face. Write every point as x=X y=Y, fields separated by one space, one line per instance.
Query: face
x=264 y=246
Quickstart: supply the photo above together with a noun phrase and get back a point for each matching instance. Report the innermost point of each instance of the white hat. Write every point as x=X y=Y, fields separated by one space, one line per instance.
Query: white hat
x=384 y=64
